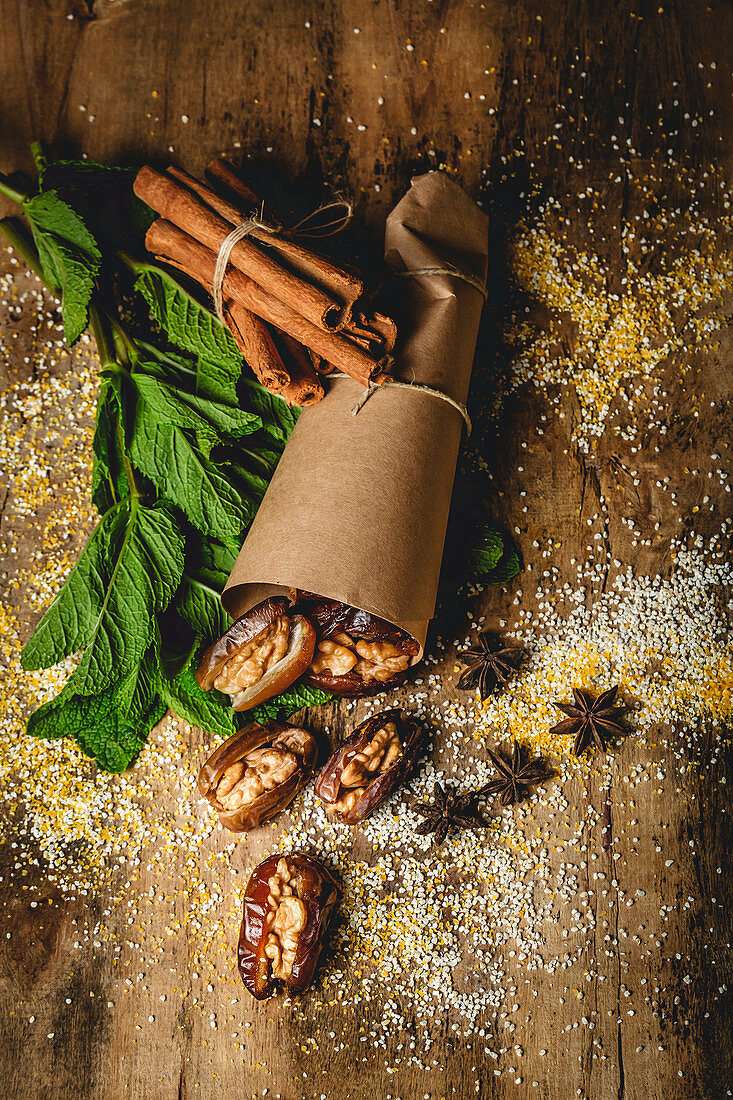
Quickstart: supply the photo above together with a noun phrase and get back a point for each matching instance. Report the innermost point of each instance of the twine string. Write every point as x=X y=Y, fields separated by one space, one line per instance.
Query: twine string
x=449 y=269
x=306 y=227
x=416 y=387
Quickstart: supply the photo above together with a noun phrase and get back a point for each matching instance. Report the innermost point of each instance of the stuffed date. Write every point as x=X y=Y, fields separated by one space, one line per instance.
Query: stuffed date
x=288 y=905
x=256 y=773
x=360 y=774
x=356 y=653
x=261 y=654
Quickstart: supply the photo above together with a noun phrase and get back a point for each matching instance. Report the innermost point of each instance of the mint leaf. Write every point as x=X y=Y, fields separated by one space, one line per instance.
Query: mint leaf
x=69 y=256
x=287 y=702
x=69 y=176
x=278 y=418
x=113 y=726
x=186 y=478
x=254 y=485
x=508 y=566
x=217 y=381
x=200 y=608
x=210 y=560
x=208 y=710
x=209 y=419
x=127 y=573
x=109 y=483
x=188 y=323
x=491 y=554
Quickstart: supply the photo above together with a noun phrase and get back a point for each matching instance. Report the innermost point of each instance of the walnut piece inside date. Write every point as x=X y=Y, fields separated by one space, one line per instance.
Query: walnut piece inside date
x=359 y=775
x=250 y=663
x=256 y=773
x=286 y=919
x=373 y=760
x=260 y=655
x=288 y=905
x=371 y=660
x=356 y=653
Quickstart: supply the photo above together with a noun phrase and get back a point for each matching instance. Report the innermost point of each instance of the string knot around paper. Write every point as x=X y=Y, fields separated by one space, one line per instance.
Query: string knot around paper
x=306 y=227
x=416 y=387
x=448 y=269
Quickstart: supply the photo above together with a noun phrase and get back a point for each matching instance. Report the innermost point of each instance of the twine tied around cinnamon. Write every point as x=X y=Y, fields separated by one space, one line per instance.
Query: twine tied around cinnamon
x=306 y=227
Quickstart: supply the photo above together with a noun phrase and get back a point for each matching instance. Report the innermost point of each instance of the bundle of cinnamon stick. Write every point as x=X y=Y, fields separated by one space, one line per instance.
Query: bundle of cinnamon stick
x=294 y=314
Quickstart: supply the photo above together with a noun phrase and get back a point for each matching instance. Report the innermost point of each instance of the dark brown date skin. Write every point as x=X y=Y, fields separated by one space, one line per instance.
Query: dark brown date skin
x=269 y=803
x=328 y=784
x=330 y=617
x=318 y=890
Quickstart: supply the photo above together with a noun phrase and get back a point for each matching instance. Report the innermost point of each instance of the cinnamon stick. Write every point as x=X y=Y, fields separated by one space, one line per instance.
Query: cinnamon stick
x=304 y=387
x=253 y=339
x=182 y=208
x=341 y=282
x=219 y=205
x=221 y=172
x=376 y=333
x=171 y=245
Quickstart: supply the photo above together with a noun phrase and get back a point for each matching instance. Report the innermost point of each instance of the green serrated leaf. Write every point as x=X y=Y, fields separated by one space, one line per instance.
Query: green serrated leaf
x=111 y=727
x=209 y=560
x=188 y=323
x=217 y=381
x=127 y=573
x=484 y=550
x=65 y=176
x=209 y=419
x=491 y=554
x=508 y=567
x=69 y=256
x=200 y=608
x=278 y=418
x=287 y=702
x=109 y=483
x=187 y=478
x=247 y=482
x=208 y=710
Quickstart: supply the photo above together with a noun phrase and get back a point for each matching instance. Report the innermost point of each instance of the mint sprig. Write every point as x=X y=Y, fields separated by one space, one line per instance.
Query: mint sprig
x=183 y=450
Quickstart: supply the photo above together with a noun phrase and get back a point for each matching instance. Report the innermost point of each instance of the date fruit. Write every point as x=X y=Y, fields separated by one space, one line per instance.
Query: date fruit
x=356 y=653
x=256 y=773
x=360 y=774
x=288 y=905
x=261 y=654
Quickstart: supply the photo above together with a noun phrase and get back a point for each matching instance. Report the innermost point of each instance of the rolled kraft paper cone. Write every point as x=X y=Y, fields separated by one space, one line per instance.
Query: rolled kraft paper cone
x=358 y=506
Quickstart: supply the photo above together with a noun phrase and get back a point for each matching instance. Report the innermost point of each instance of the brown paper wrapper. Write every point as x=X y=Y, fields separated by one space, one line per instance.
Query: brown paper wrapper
x=358 y=506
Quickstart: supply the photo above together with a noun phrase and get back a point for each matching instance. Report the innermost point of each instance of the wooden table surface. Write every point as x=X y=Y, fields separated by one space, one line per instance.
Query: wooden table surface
x=556 y=109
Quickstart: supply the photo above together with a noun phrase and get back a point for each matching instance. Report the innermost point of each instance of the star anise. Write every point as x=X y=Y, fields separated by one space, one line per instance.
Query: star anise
x=592 y=719
x=517 y=774
x=488 y=666
x=449 y=808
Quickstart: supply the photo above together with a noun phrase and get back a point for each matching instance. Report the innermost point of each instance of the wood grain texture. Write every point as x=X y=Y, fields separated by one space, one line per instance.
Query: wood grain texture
x=128 y=81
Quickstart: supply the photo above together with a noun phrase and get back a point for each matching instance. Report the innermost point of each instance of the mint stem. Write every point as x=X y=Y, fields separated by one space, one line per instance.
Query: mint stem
x=105 y=348
x=110 y=361
x=40 y=157
x=9 y=191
